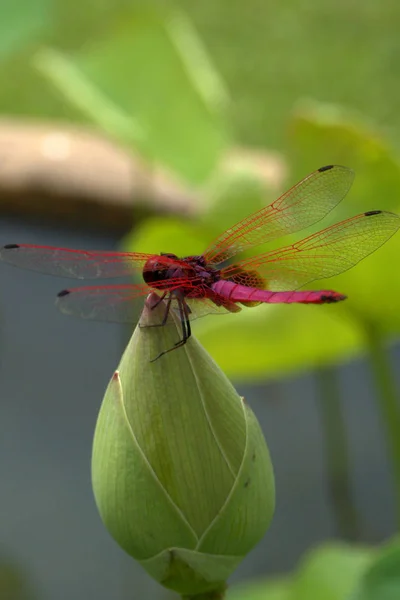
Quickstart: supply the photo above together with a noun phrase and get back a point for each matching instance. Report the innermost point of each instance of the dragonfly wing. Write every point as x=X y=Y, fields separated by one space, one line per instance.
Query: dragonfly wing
x=113 y=303
x=324 y=254
x=77 y=264
x=205 y=306
x=198 y=307
x=307 y=202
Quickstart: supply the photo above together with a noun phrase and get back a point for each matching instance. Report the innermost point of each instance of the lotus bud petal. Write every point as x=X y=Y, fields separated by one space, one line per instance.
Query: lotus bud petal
x=181 y=472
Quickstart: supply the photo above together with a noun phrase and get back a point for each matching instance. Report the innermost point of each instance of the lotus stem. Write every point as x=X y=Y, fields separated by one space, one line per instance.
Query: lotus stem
x=337 y=454
x=388 y=397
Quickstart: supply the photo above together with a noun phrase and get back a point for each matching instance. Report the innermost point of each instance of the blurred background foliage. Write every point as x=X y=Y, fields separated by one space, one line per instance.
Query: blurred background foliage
x=14 y=582
x=238 y=101
x=334 y=571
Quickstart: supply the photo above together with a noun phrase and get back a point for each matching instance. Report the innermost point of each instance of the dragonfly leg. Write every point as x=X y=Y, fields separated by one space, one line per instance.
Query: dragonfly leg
x=184 y=312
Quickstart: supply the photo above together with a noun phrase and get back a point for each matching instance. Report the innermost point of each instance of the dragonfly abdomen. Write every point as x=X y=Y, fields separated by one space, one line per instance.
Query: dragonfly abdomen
x=240 y=293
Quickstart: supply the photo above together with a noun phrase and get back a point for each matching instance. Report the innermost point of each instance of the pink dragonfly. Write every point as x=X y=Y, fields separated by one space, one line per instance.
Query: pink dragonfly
x=194 y=286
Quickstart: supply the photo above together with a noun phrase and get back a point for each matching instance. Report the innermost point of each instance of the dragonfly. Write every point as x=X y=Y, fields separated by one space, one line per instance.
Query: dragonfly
x=194 y=286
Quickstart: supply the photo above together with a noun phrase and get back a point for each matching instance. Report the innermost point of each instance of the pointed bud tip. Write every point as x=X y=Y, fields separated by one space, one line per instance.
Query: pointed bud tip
x=153 y=310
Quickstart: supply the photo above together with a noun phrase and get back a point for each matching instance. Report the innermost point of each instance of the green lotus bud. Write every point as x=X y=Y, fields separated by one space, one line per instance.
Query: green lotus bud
x=181 y=472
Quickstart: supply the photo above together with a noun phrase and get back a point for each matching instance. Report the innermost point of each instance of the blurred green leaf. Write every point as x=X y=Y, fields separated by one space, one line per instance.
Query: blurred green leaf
x=23 y=24
x=271 y=56
x=272 y=340
x=232 y=196
x=271 y=589
x=14 y=582
x=77 y=22
x=158 y=234
x=330 y=572
x=21 y=21
x=26 y=27
x=150 y=71
x=373 y=289
x=24 y=92
x=335 y=135
x=320 y=134
x=382 y=579
x=229 y=197
x=88 y=98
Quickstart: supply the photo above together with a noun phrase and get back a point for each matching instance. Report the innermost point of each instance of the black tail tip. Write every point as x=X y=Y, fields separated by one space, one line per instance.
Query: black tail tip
x=10 y=246
x=63 y=293
x=331 y=297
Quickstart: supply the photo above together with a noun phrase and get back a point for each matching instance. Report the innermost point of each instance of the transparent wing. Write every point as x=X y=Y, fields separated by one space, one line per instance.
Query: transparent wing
x=304 y=204
x=114 y=303
x=77 y=264
x=324 y=254
x=206 y=306
x=199 y=307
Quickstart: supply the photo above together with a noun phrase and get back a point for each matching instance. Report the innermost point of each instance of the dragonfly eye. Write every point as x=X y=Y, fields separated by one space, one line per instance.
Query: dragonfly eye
x=154 y=272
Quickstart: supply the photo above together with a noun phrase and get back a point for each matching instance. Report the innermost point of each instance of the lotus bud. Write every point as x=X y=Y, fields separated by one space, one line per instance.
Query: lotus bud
x=181 y=472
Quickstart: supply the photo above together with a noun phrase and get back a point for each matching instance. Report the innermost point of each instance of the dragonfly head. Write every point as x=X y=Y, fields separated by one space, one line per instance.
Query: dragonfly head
x=155 y=269
x=161 y=267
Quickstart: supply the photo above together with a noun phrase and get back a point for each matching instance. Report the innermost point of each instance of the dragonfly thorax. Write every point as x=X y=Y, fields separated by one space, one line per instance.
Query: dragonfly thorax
x=164 y=267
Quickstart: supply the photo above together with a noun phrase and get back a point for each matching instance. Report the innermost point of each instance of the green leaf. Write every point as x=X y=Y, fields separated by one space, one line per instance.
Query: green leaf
x=23 y=91
x=321 y=134
x=152 y=74
x=21 y=22
x=277 y=588
x=77 y=22
x=273 y=340
x=232 y=196
x=161 y=234
x=86 y=97
x=372 y=289
x=330 y=572
x=14 y=582
x=382 y=579
x=278 y=53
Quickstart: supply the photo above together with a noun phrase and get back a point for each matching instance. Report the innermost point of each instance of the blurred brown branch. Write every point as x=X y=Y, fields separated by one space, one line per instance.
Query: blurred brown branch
x=69 y=175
